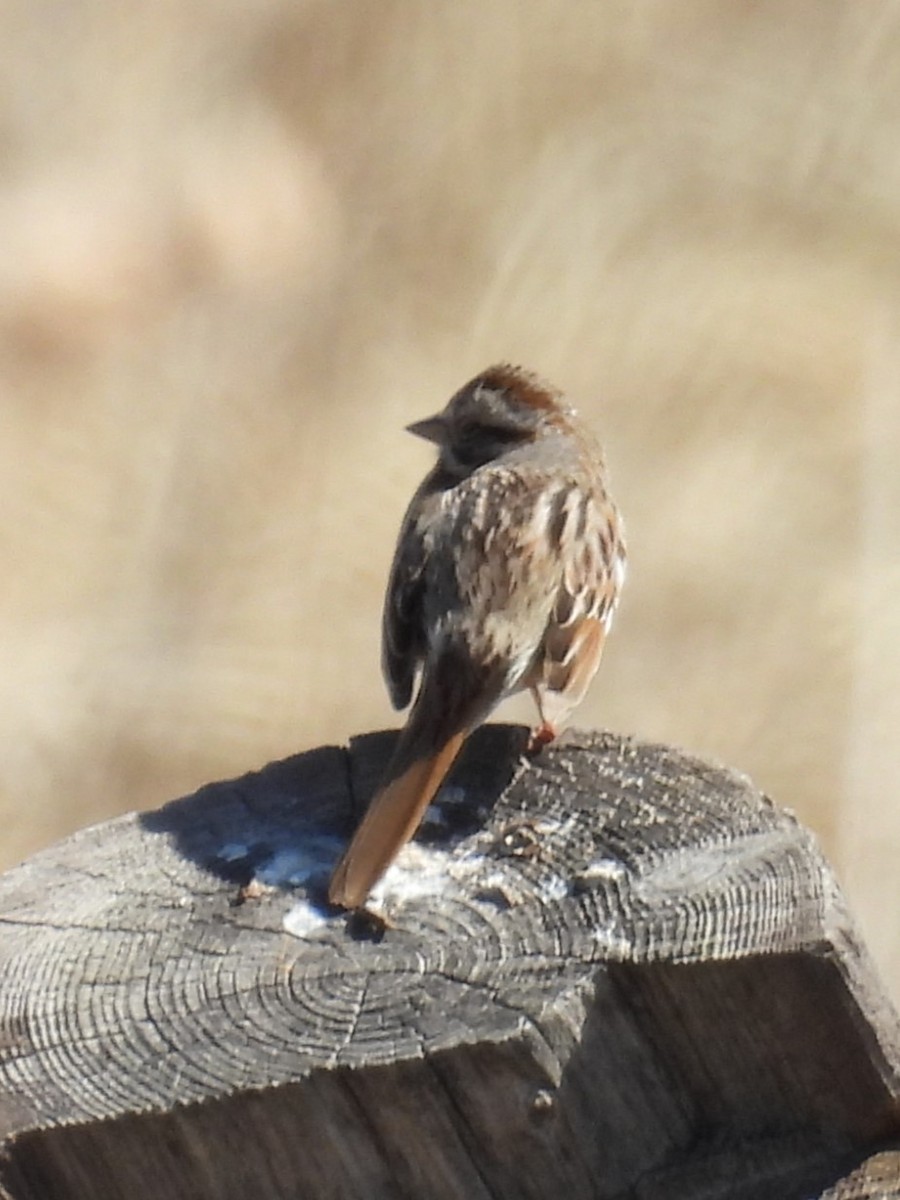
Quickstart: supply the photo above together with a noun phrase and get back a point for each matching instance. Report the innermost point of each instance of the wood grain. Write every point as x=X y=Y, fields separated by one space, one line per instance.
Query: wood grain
x=614 y=970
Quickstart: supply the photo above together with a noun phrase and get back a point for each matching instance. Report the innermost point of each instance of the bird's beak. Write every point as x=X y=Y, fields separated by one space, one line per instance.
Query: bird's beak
x=432 y=429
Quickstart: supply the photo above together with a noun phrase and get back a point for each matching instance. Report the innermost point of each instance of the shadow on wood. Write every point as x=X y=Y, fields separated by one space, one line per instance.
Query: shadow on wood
x=613 y=971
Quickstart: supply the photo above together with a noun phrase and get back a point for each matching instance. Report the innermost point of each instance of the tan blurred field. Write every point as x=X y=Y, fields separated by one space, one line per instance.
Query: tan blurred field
x=245 y=244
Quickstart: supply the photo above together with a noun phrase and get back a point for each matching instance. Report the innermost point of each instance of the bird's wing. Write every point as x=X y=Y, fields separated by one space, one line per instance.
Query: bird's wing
x=402 y=625
x=592 y=556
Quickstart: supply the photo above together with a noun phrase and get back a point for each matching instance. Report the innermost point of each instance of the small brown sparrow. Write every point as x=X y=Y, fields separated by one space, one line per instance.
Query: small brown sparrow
x=506 y=575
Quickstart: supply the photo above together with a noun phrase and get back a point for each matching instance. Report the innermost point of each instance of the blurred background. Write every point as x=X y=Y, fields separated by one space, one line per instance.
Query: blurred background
x=247 y=243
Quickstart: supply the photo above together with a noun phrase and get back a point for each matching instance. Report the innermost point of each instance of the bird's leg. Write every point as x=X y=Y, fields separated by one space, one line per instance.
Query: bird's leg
x=544 y=732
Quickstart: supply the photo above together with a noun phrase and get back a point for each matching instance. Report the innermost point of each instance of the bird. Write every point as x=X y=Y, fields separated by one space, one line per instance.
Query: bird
x=507 y=572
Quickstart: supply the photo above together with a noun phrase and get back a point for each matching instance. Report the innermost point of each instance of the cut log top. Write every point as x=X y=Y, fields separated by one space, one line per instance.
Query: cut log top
x=611 y=967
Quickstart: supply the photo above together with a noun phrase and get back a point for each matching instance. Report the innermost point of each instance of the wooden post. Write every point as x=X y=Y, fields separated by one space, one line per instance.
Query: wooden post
x=612 y=971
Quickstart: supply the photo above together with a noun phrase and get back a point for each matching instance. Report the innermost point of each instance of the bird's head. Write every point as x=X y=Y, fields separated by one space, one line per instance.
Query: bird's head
x=498 y=411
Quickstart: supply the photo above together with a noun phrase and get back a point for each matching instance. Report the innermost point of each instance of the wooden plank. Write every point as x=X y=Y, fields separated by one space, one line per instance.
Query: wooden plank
x=612 y=967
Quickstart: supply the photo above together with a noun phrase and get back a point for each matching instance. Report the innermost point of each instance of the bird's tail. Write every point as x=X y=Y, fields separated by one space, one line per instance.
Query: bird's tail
x=456 y=694
x=391 y=819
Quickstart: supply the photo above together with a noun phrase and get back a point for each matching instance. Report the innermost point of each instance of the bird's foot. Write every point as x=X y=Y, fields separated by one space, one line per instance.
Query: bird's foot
x=540 y=736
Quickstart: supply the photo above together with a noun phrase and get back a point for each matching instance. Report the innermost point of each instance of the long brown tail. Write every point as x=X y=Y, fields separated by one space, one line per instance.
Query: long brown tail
x=390 y=821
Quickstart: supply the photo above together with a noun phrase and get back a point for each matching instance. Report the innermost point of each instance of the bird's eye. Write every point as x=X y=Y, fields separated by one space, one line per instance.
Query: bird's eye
x=484 y=433
x=475 y=443
x=506 y=433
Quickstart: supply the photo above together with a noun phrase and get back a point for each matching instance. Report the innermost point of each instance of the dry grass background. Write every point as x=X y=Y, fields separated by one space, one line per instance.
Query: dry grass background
x=246 y=243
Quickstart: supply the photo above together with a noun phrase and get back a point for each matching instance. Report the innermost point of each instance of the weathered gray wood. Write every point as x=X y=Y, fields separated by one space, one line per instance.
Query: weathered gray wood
x=613 y=971
x=878 y=1178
